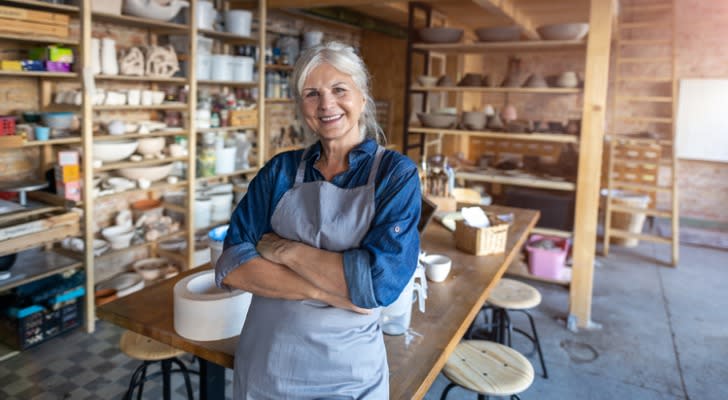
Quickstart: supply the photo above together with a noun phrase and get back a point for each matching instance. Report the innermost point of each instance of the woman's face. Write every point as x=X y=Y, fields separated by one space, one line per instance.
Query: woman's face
x=332 y=104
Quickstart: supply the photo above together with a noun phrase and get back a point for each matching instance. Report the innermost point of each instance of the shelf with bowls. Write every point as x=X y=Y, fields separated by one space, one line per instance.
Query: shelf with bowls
x=44 y=5
x=525 y=180
x=135 y=164
x=52 y=142
x=482 y=47
x=176 y=132
x=542 y=137
x=38 y=39
x=226 y=128
x=137 y=79
x=36 y=263
x=208 y=82
x=113 y=252
x=155 y=186
x=40 y=74
x=139 y=22
x=228 y=175
x=483 y=89
x=229 y=38
x=163 y=106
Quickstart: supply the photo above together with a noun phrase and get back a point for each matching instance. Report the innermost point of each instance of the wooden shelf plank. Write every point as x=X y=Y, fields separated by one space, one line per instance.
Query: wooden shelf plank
x=482 y=47
x=35 y=264
x=644 y=79
x=52 y=142
x=227 y=37
x=234 y=173
x=227 y=83
x=135 y=164
x=542 y=137
x=160 y=79
x=517 y=181
x=646 y=99
x=520 y=269
x=640 y=187
x=154 y=187
x=279 y=101
x=278 y=67
x=549 y=90
x=553 y=232
x=176 y=132
x=647 y=7
x=43 y=5
x=38 y=39
x=40 y=74
x=661 y=120
x=165 y=106
x=642 y=60
x=226 y=128
x=112 y=253
x=632 y=210
x=644 y=42
x=138 y=22
x=38 y=238
x=641 y=236
x=640 y=25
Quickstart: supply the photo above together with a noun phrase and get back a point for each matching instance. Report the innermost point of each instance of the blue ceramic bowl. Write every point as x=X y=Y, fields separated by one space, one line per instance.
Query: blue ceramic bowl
x=58 y=120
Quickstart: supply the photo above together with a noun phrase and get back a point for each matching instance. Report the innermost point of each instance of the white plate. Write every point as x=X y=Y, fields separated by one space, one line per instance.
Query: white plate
x=126 y=283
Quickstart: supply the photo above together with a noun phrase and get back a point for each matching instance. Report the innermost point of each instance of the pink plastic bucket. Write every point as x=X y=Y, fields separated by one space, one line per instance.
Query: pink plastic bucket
x=547 y=263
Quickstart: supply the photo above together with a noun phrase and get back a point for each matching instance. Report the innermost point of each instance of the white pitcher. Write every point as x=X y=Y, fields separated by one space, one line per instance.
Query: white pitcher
x=395 y=318
x=206 y=14
x=109 y=63
x=95 y=56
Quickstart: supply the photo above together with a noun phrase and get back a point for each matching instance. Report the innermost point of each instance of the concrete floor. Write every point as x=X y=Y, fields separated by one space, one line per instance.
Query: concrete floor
x=664 y=336
x=664 y=331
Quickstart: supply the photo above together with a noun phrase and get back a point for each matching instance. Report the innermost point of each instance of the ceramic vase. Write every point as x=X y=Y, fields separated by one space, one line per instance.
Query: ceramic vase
x=109 y=64
x=95 y=56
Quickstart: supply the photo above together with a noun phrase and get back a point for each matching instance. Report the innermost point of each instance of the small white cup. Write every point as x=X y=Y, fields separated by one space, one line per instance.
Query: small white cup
x=437 y=267
x=147 y=97
x=134 y=97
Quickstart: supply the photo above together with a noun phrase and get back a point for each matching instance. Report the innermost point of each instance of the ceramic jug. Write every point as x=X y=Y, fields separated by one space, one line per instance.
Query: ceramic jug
x=109 y=64
x=95 y=56
x=206 y=15
x=395 y=318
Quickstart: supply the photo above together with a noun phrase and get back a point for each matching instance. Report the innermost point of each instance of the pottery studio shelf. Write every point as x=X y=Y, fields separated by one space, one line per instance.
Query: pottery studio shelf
x=38 y=231
x=138 y=22
x=231 y=174
x=541 y=137
x=38 y=39
x=484 y=47
x=52 y=142
x=229 y=38
x=525 y=181
x=137 y=79
x=483 y=89
x=176 y=132
x=164 y=106
x=208 y=82
x=155 y=186
x=40 y=74
x=35 y=264
x=136 y=164
x=44 y=5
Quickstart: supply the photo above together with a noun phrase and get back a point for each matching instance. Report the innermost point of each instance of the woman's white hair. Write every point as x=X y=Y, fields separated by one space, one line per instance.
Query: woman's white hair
x=343 y=58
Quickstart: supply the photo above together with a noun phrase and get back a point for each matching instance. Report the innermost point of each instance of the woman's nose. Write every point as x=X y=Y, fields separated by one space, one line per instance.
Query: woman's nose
x=326 y=100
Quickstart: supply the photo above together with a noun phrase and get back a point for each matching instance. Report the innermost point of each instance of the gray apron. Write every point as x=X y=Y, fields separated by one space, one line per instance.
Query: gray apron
x=307 y=349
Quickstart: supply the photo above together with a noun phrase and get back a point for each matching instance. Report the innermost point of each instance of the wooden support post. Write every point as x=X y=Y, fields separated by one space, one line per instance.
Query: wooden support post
x=191 y=140
x=590 y=157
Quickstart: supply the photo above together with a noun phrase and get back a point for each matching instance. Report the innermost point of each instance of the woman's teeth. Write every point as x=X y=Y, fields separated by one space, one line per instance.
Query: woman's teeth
x=331 y=118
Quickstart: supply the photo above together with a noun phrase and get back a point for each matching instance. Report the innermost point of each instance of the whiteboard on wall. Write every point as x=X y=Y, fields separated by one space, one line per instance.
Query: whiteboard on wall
x=702 y=120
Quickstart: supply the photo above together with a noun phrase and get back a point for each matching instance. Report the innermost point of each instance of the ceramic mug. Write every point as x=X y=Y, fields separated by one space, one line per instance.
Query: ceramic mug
x=437 y=267
x=134 y=97
x=147 y=97
x=42 y=132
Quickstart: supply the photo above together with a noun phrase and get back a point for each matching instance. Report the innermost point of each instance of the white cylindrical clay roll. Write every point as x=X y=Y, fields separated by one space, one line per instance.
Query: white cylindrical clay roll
x=203 y=312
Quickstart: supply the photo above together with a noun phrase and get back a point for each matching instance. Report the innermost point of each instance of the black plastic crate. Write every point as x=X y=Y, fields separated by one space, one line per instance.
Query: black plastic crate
x=38 y=327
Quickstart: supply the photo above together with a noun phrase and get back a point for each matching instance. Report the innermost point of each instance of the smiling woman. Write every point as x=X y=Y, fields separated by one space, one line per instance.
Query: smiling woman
x=323 y=238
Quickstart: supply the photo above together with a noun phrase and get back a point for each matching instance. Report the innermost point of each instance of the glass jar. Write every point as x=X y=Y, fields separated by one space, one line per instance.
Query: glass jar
x=206 y=157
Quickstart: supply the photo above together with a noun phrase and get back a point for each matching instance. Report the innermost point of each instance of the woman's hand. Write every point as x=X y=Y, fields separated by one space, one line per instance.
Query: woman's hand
x=340 y=302
x=273 y=247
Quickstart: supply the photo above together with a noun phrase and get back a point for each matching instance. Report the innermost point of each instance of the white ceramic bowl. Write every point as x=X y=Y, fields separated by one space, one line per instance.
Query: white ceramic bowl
x=151 y=146
x=437 y=267
x=427 y=80
x=152 y=173
x=118 y=236
x=151 y=268
x=113 y=150
x=572 y=31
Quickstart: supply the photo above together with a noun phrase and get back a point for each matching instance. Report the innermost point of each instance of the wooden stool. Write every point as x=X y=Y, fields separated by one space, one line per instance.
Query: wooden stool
x=512 y=295
x=487 y=368
x=150 y=351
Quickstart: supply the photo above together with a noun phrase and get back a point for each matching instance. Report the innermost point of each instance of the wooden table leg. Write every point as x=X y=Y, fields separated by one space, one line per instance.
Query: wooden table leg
x=212 y=381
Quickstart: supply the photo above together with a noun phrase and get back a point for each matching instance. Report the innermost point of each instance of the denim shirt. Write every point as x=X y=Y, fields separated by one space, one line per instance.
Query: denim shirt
x=378 y=270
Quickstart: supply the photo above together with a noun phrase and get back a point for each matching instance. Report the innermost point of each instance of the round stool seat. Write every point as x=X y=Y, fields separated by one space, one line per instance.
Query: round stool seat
x=143 y=348
x=514 y=295
x=489 y=368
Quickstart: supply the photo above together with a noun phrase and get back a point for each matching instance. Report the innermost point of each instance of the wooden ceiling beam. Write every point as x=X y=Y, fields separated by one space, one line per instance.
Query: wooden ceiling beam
x=322 y=3
x=510 y=10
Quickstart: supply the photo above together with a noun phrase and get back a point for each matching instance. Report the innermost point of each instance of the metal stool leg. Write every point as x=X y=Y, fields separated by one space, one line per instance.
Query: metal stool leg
x=143 y=379
x=186 y=375
x=449 y=387
x=166 y=384
x=537 y=342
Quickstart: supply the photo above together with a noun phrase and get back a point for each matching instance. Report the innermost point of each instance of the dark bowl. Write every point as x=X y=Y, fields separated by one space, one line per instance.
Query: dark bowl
x=7 y=261
x=441 y=35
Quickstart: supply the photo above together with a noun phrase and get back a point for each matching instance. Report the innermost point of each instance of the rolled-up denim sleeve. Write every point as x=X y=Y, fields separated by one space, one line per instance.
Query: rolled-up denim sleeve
x=248 y=223
x=379 y=269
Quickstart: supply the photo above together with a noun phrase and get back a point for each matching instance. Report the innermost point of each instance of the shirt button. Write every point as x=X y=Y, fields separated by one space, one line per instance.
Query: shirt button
x=397 y=229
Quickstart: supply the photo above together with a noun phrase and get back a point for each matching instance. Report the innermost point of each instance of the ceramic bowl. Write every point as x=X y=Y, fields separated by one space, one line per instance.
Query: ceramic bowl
x=149 y=208
x=499 y=33
x=124 y=284
x=151 y=268
x=535 y=80
x=151 y=146
x=119 y=237
x=154 y=9
x=152 y=173
x=474 y=120
x=437 y=120
x=572 y=31
x=568 y=79
x=113 y=151
x=58 y=120
x=437 y=267
x=441 y=35
x=427 y=80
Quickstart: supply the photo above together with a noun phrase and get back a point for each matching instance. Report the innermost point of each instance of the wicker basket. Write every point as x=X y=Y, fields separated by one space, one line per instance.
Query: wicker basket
x=244 y=118
x=482 y=241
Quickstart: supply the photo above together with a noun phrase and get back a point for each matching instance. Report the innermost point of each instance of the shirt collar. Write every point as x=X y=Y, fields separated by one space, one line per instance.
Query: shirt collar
x=368 y=147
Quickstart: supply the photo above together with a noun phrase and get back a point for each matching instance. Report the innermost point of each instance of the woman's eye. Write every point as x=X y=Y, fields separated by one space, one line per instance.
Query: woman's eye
x=311 y=94
x=339 y=90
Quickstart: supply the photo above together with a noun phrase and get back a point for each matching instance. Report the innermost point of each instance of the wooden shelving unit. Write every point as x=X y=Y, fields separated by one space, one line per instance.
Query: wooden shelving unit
x=541 y=137
x=38 y=39
x=519 y=46
x=137 y=79
x=39 y=74
x=229 y=38
x=163 y=106
x=479 y=89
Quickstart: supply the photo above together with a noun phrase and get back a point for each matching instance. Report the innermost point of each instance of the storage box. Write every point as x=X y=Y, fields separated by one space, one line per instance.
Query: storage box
x=52 y=53
x=106 y=6
x=248 y=118
x=41 y=23
x=67 y=173
x=68 y=157
x=482 y=241
x=11 y=65
x=547 y=263
x=69 y=190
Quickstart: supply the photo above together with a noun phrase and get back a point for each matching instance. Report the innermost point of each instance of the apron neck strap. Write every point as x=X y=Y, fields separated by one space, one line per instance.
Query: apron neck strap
x=372 y=172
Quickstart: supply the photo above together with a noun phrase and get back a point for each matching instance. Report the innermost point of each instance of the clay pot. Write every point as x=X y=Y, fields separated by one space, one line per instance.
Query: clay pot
x=509 y=113
x=103 y=296
x=445 y=81
x=513 y=76
x=568 y=79
x=474 y=120
x=536 y=80
x=471 y=80
x=495 y=123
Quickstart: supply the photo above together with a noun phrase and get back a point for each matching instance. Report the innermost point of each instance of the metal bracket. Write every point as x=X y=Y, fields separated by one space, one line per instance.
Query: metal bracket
x=572 y=324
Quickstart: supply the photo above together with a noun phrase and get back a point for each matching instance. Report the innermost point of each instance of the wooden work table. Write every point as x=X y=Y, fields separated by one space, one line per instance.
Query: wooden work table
x=451 y=307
